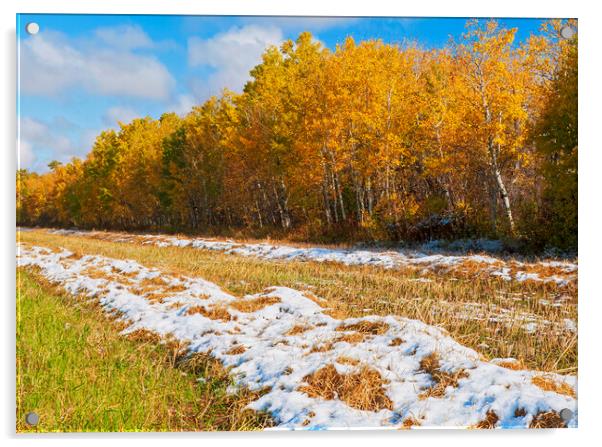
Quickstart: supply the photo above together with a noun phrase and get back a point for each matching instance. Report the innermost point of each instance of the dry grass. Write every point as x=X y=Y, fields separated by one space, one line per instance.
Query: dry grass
x=430 y=364
x=410 y=422
x=213 y=313
x=352 y=337
x=176 y=349
x=321 y=347
x=155 y=282
x=362 y=390
x=175 y=288
x=255 y=304
x=489 y=422
x=156 y=297
x=515 y=365
x=298 y=329
x=121 y=272
x=548 y=419
x=520 y=412
x=97 y=273
x=144 y=336
x=548 y=384
x=347 y=290
x=344 y=360
x=396 y=342
x=366 y=327
x=236 y=350
x=313 y=297
x=307 y=421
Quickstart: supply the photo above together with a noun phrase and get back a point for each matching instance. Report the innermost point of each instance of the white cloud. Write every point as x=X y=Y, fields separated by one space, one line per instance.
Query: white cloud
x=125 y=36
x=41 y=142
x=88 y=137
x=37 y=133
x=50 y=64
x=182 y=104
x=231 y=54
x=119 y=114
x=25 y=156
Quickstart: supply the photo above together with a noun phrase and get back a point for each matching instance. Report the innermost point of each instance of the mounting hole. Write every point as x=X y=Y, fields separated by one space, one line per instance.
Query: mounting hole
x=567 y=31
x=566 y=415
x=32 y=418
x=32 y=28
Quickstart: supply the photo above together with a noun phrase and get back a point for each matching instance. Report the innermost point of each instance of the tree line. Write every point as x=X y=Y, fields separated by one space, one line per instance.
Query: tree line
x=367 y=141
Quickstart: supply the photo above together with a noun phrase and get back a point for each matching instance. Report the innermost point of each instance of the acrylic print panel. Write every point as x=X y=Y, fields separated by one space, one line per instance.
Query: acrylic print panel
x=248 y=223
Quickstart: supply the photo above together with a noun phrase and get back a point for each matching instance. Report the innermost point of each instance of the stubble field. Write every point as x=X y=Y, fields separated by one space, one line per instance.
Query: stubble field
x=494 y=344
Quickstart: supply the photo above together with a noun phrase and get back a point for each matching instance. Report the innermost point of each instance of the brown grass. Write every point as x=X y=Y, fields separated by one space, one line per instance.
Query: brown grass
x=352 y=337
x=144 y=335
x=176 y=305
x=97 y=273
x=213 y=313
x=410 y=422
x=336 y=312
x=155 y=297
x=396 y=342
x=430 y=364
x=489 y=422
x=514 y=365
x=175 y=288
x=322 y=347
x=313 y=297
x=307 y=421
x=255 y=304
x=366 y=327
x=344 y=360
x=176 y=349
x=548 y=384
x=120 y=272
x=520 y=412
x=548 y=419
x=362 y=390
x=152 y=282
x=298 y=329
x=236 y=350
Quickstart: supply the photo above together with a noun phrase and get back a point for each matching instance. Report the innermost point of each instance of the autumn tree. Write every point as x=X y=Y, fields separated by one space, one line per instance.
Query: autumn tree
x=368 y=140
x=494 y=102
x=555 y=135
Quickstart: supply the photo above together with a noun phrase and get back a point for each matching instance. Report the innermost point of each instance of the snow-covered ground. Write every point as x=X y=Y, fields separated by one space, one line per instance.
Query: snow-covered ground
x=284 y=342
x=559 y=272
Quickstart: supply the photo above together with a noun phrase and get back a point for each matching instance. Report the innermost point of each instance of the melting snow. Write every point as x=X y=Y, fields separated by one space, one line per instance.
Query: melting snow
x=279 y=361
x=564 y=272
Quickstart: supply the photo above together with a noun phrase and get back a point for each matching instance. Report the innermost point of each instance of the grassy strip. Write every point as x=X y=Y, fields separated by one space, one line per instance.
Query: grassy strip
x=78 y=374
x=362 y=290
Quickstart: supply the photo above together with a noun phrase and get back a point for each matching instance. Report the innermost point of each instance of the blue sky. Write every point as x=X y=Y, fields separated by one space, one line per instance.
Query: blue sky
x=83 y=73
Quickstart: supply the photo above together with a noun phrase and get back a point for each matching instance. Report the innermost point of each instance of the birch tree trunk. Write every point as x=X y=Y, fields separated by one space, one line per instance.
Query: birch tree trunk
x=493 y=161
x=493 y=152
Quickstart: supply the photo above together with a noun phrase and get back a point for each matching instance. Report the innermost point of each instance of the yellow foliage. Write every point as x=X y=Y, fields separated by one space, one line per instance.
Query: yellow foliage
x=370 y=136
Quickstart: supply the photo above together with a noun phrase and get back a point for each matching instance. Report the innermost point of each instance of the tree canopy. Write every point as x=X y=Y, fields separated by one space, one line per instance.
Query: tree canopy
x=370 y=140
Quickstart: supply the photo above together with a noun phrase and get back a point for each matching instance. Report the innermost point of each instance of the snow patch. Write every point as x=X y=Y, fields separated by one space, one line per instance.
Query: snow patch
x=280 y=362
x=563 y=273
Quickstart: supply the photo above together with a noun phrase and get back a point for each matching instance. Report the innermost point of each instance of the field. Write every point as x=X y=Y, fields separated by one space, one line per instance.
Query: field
x=306 y=337
x=79 y=374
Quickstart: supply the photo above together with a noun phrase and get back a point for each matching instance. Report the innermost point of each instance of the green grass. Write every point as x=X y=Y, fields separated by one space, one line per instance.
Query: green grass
x=78 y=374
